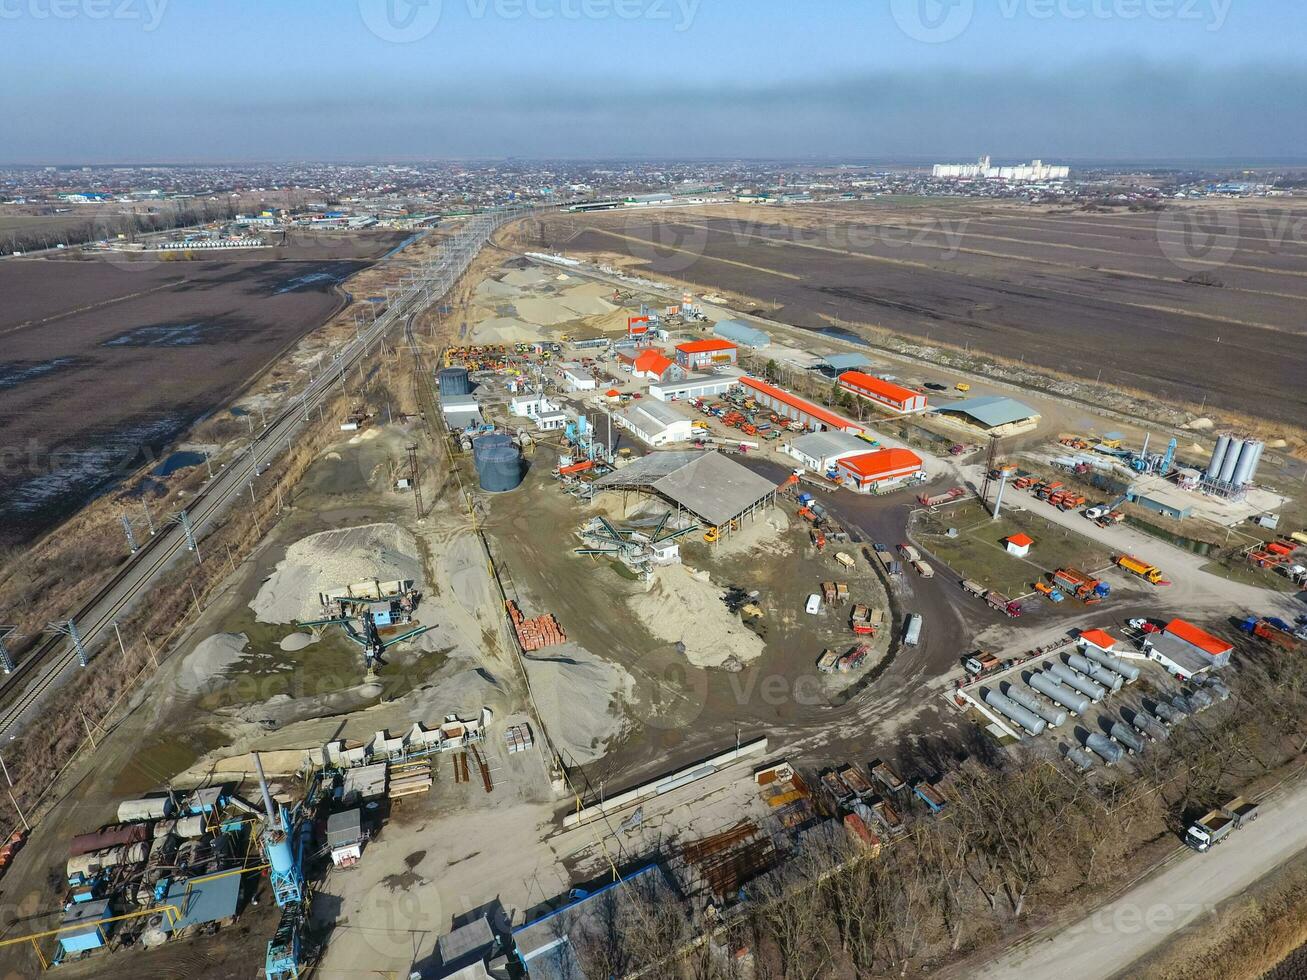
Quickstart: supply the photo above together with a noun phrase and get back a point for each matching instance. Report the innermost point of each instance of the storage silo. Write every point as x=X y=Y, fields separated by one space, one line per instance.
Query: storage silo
x=1090 y=689
x=1231 y=460
x=1048 y=685
x=498 y=462
x=1052 y=714
x=1006 y=706
x=1104 y=747
x=454 y=381
x=1257 y=460
x=1127 y=670
x=1096 y=672
x=1248 y=456
x=1081 y=759
x=1167 y=713
x=1124 y=735
x=1218 y=457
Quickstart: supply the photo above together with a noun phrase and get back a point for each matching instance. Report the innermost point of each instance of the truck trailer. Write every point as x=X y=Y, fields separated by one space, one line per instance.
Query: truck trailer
x=1218 y=824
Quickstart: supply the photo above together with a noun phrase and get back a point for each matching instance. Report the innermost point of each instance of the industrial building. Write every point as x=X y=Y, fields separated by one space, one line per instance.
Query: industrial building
x=1185 y=650
x=1159 y=495
x=833 y=365
x=712 y=487
x=883 y=394
x=578 y=378
x=983 y=169
x=655 y=423
x=741 y=333
x=709 y=352
x=694 y=386
x=820 y=451
x=878 y=471
x=1232 y=467
x=655 y=366
x=791 y=406
x=460 y=411
x=992 y=415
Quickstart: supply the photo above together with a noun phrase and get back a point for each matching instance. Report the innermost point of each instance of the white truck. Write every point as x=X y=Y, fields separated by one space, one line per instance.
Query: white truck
x=912 y=632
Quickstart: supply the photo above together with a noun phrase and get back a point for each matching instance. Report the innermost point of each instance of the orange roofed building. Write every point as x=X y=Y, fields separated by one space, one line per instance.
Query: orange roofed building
x=878 y=471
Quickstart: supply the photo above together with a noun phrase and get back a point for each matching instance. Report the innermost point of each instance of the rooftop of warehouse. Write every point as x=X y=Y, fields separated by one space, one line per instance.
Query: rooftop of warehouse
x=879 y=385
x=706 y=345
x=881 y=461
x=846 y=362
x=1200 y=638
x=658 y=412
x=991 y=410
x=823 y=415
x=711 y=486
x=203 y=900
x=819 y=445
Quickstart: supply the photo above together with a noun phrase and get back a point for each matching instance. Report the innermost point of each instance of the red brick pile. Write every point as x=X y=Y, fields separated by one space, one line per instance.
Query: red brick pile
x=535 y=634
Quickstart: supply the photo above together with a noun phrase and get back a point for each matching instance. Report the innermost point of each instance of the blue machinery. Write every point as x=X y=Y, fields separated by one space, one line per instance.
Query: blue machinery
x=283 y=838
x=367 y=614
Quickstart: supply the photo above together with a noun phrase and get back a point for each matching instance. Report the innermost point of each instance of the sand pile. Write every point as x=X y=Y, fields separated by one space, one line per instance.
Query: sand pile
x=504 y=330
x=765 y=535
x=330 y=560
x=583 y=305
x=543 y=310
x=293 y=642
x=681 y=607
x=524 y=277
x=204 y=666
x=580 y=698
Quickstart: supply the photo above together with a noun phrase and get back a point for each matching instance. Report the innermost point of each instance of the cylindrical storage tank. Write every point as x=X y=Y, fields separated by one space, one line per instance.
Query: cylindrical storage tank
x=1247 y=458
x=1149 y=726
x=1104 y=747
x=1071 y=700
x=1218 y=458
x=1218 y=690
x=1122 y=733
x=1051 y=713
x=1026 y=719
x=1096 y=672
x=1094 y=691
x=499 y=466
x=1231 y=460
x=1167 y=713
x=1181 y=704
x=1257 y=459
x=1081 y=759
x=1126 y=669
x=189 y=827
x=1201 y=700
x=154 y=808
x=279 y=855
x=454 y=381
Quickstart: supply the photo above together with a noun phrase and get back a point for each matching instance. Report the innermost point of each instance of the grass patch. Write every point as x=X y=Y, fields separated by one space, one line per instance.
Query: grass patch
x=1245 y=574
x=978 y=552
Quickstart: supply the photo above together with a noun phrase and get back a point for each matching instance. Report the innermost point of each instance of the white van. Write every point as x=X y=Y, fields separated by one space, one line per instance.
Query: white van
x=814 y=604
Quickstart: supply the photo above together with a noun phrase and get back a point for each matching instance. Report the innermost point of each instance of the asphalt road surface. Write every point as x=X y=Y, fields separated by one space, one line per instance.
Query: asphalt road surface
x=1183 y=894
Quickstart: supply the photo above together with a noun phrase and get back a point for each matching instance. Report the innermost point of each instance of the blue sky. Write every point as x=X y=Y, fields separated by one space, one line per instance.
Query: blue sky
x=133 y=80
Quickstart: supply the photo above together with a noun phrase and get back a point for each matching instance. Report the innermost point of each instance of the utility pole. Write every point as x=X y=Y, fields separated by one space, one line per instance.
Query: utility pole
x=6 y=658
x=69 y=629
x=131 y=538
x=414 y=479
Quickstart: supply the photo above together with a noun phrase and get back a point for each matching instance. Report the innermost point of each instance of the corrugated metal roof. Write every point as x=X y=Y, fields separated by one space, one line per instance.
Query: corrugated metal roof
x=1211 y=645
x=846 y=362
x=821 y=445
x=741 y=332
x=203 y=900
x=882 y=463
x=705 y=346
x=825 y=416
x=879 y=386
x=992 y=410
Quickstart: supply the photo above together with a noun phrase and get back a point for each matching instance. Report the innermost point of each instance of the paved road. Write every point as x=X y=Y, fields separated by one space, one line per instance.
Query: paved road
x=1186 y=890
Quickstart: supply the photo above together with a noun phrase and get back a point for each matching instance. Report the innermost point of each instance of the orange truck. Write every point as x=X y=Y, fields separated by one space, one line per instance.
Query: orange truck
x=1149 y=573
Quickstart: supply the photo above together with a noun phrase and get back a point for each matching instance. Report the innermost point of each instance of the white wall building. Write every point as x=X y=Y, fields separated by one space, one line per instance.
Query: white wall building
x=578 y=378
x=983 y=169
x=819 y=451
x=695 y=386
x=655 y=424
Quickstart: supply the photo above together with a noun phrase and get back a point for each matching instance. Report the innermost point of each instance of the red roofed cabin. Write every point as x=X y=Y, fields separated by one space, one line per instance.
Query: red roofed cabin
x=711 y=351
x=656 y=366
x=878 y=471
x=884 y=394
x=1019 y=544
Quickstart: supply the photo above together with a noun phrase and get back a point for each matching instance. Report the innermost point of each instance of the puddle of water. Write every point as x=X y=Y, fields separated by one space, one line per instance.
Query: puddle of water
x=13 y=374
x=163 y=335
x=181 y=460
x=160 y=758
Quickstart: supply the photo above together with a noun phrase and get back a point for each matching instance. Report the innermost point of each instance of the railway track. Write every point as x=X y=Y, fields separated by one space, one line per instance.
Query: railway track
x=43 y=668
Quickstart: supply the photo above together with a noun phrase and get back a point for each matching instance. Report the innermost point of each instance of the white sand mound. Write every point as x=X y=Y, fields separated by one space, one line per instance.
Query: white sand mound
x=682 y=608
x=543 y=310
x=504 y=330
x=575 y=692
x=586 y=305
x=292 y=642
x=333 y=559
x=204 y=666
x=524 y=277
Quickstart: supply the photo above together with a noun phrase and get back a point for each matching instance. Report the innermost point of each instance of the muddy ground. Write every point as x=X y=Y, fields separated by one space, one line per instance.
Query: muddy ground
x=1125 y=294
x=106 y=361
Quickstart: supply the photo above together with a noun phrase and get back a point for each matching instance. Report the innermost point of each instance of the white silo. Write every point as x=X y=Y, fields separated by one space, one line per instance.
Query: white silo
x=1218 y=457
x=1231 y=460
x=1247 y=459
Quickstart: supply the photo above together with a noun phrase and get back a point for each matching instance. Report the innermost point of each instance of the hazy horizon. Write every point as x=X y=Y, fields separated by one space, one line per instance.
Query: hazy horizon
x=902 y=80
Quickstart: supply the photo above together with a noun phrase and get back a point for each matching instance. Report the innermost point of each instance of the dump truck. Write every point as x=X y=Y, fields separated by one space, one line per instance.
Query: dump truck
x=909 y=553
x=972 y=587
x=930 y=796
x=856 y=782
x=888 y=817
x=885 y=775
x=1149 y=573
x=865 y=621
x=941 y=498
x=826 y=662
x=844 y=559
x=1218 y=824
x=836 y=787
x=1002 y=603
x=981 y=663
x=1084 y=587
x=853 y=659
x=924 y=570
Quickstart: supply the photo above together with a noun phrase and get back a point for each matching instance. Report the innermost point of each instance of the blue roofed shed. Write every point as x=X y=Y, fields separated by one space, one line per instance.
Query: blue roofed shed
x=92 y=932
x=839 y=363
x=741 y=333
x=203 y=900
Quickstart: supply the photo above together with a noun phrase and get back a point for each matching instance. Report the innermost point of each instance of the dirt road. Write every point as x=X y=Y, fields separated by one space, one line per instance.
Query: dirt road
x=1183 y=894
